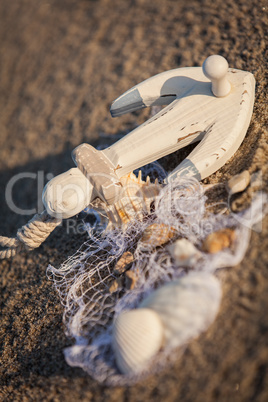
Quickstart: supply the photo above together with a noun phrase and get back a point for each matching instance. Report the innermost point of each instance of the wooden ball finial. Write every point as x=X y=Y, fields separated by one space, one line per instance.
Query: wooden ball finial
x=215 y=68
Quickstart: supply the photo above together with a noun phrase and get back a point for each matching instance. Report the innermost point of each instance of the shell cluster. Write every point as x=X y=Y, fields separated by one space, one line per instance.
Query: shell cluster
x=135 y=201
x=169 y=317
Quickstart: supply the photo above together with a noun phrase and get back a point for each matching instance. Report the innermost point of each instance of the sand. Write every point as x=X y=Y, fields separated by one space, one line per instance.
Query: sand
x=61 y=65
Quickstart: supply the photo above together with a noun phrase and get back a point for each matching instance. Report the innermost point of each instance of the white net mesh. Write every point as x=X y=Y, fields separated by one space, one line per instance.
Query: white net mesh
x=84 y=280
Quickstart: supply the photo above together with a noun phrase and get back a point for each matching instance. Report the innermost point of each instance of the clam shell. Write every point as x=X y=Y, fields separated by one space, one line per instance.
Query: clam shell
x=67 y=194
x=186 y=306
x=137 y=337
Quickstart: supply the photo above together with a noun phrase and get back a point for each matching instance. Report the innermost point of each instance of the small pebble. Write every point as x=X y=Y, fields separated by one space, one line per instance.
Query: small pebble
x=217 y=241
x=131 y=279
x=116 y=285
x=123 y=263
x=238 y=182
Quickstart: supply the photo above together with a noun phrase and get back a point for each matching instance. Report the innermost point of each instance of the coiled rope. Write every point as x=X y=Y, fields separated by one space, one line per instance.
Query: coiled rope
x=30 y=236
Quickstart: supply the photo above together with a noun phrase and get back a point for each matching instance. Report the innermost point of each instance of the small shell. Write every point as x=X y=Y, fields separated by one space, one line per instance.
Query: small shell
x=156 y=235
x=123 y=263
x=186 y=306
x=67 y=194
x=217 y=241
x=238 y=182
x=137 y=337
x=184 y=252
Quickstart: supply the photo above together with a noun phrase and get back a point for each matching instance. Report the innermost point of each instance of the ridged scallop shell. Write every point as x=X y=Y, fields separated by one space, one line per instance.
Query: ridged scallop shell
x=137 y=337
x=135 y=200
x=186 y=306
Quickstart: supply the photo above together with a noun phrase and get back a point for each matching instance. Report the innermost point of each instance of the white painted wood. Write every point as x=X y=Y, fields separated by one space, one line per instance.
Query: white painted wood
x=99 y=170
x=215 y=68
x=195 y=114
x=67 y=194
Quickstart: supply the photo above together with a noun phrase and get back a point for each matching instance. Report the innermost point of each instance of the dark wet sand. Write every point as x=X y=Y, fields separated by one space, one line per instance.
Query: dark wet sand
x=61 y=65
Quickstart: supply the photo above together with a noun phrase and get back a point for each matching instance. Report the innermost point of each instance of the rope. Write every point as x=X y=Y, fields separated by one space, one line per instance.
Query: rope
x=30 y=236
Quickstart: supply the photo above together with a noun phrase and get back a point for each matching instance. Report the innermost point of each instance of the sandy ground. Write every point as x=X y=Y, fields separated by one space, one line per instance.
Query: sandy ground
x=61 y=65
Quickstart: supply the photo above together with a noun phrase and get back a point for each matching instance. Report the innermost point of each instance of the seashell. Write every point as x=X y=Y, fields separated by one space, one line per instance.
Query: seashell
x=238 y=182
x=156 y=235
x=217 y=241
x=123 y=263
x=136 y=199
x=67 y=194
x=186 y=306
x=184 y=252
x=137 y=337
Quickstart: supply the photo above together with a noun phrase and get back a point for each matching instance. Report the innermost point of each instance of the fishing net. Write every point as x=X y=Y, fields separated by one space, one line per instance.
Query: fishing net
x=84 y=281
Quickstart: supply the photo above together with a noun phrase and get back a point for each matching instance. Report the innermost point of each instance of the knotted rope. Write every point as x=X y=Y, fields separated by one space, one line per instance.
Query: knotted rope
x=30 y=236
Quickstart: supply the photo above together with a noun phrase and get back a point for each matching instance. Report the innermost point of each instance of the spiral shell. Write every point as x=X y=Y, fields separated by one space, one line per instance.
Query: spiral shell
x=137 y=337
x=156 y=235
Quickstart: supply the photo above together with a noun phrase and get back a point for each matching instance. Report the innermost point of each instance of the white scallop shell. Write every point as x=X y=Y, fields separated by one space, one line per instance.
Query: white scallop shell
x=137 y=337
x=186 y=306
x=67 y=194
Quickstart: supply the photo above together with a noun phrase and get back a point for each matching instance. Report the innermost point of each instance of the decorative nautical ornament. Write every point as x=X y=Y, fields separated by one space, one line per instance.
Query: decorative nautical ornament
x=212 y=105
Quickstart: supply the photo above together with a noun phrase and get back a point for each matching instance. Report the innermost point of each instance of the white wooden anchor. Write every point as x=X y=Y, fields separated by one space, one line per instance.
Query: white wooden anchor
x=211 y=104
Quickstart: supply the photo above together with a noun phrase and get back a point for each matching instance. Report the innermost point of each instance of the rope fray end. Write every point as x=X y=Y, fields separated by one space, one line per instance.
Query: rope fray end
x=30 y=236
